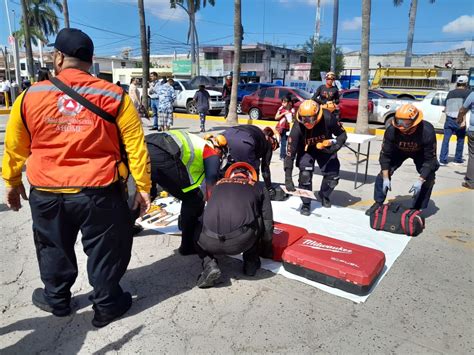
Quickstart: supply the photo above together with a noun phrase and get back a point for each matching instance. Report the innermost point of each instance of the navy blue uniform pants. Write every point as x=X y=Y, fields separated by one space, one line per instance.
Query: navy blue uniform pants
x=329 y=165
x=103 y=217
x=423 y=198
x=171 y=174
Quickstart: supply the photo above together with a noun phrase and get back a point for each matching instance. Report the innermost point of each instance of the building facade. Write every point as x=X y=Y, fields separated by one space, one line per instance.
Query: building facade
x=259 y=62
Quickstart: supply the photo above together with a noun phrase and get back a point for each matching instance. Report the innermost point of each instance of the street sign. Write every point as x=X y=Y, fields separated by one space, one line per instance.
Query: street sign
x=11 y=39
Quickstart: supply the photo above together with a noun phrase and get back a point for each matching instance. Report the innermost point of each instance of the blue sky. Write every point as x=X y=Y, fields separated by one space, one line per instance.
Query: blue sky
x=444 y=25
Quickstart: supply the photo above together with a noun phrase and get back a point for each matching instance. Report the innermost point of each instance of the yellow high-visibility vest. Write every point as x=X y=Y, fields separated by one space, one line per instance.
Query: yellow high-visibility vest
x=191 y=147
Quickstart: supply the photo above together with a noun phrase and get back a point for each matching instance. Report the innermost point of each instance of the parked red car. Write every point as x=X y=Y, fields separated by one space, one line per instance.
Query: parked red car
x=349 y=104
x=264 y=103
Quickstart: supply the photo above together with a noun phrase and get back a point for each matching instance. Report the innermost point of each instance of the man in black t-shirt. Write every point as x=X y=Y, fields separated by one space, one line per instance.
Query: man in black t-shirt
x=328 y=94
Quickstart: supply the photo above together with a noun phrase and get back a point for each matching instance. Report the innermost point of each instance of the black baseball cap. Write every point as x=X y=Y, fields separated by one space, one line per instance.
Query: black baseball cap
x=74 y=43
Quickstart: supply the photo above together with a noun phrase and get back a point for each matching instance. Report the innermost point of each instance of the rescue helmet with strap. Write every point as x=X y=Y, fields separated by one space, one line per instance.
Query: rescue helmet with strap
x=218 y=142
x=309 y=113
x=241 y=170
x=407 y=117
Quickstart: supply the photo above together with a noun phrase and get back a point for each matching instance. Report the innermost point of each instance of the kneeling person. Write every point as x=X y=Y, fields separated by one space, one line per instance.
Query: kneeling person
x=245 y=226
x=180 y=161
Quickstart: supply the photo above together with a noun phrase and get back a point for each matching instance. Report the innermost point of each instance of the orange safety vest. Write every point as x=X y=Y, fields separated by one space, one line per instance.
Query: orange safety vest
x=71 y=146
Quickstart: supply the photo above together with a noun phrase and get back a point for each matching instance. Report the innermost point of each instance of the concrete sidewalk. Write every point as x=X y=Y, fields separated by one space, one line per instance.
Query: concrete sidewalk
x=423 y=305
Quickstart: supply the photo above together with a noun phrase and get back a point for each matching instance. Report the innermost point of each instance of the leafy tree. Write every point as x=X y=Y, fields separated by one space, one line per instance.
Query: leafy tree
x=320 y=54
x=42 y=20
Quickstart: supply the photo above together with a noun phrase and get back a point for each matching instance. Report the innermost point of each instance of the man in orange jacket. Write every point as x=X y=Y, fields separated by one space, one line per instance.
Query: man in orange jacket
x=74 y=169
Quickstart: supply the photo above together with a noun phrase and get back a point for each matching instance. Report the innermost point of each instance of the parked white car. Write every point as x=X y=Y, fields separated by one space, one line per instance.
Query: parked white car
x=185 y=95
x=433 y=106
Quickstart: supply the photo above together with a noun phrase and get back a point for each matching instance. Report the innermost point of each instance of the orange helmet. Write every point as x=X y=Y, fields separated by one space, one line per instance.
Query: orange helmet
x=241 y=169
x=309 y=114
x=407 y=117
x=218 y=141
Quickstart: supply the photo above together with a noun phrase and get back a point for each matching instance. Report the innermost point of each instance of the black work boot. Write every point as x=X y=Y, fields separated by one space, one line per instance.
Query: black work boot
x=209 y=274
x=39 y=301
x=324 y=200
x=251 y=266
x=373 y=208
x=101 y=319
x=305 y=209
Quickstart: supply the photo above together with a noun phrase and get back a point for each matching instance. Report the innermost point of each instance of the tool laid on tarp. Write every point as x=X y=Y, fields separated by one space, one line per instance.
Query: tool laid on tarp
x=336 y=263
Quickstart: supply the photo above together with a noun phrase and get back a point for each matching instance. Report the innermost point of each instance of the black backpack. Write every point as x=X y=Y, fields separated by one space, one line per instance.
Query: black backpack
x=394 y=218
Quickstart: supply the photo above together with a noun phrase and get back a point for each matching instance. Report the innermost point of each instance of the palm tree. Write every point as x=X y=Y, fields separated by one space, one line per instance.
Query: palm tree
x=66 y=14
x=238 y=32
x=362 y=123
x=42 y=22
x=29 y=51
x=191 y=7
x=145 y=54
x=411 y=28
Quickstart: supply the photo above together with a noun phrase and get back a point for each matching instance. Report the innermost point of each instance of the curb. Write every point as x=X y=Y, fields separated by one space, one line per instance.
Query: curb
x=372 y=131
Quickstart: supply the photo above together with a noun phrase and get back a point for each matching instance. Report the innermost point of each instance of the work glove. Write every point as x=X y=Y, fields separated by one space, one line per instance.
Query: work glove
x=289 y=184
x=332 y=149
x=324 y=144
x=416 y=187
x=271 y=192
x=387 y=185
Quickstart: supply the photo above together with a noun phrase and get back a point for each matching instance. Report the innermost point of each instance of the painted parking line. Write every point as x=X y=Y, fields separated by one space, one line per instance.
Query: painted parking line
x=445 y=192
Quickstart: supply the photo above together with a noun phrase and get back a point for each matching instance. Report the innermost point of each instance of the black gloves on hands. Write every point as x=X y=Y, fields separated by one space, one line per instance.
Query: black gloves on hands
x=332 y=149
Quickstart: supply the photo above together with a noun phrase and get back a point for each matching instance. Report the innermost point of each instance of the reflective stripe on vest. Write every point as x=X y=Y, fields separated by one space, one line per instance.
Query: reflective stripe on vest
x=71 y=147
x=191 y=148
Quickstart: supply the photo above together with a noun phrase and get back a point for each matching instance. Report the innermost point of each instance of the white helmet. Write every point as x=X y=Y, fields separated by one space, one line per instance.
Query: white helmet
x=462 y=80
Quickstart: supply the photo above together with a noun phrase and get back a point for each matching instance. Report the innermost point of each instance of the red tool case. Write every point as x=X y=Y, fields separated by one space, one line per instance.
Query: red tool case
x=349 y=267
x=285 y=235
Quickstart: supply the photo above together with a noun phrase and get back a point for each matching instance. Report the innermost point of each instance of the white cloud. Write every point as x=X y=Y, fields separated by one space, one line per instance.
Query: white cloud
x=463 y=24
x=353 y=24
x=468 y=44
x=161 y=9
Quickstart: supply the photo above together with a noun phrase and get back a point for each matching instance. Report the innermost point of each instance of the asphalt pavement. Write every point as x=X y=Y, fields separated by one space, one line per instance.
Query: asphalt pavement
x=423 y=305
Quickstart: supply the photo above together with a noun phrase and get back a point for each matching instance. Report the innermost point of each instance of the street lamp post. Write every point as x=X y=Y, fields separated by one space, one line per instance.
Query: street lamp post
x=14 y=45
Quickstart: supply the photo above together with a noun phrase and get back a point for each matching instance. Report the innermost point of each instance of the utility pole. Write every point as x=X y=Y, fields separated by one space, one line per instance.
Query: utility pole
x=148 y=39
x=145 y=58
x=335 y=19
x=29 y=50
x=14 y=44
x=317 y=32
x=66 y=14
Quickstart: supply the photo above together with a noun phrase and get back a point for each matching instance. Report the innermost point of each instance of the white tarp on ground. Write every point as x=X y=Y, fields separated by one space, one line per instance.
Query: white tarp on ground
x=336 y=222
x=340 y=223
